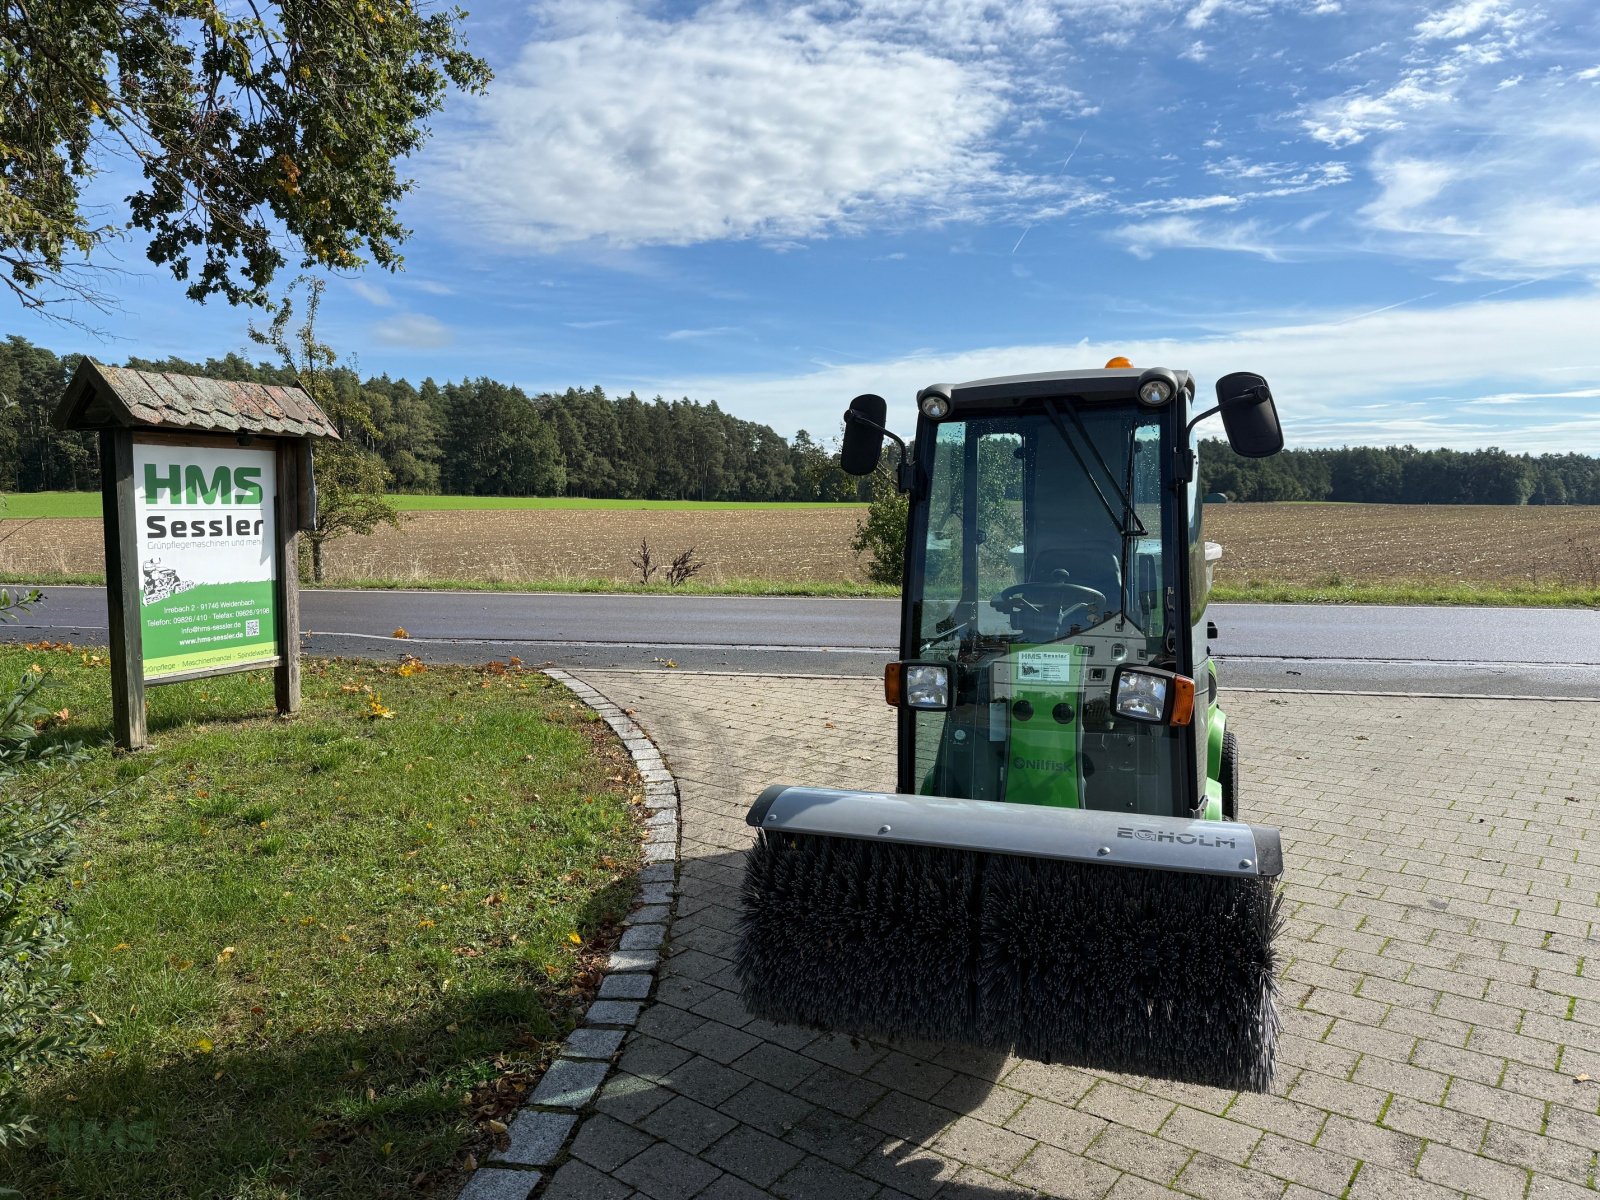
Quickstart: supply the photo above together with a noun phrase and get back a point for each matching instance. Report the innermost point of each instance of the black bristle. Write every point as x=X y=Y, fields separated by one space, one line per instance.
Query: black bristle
x=1148 y=972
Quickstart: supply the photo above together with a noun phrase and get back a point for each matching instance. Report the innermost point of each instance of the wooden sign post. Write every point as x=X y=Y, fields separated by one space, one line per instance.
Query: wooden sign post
x=205 y=486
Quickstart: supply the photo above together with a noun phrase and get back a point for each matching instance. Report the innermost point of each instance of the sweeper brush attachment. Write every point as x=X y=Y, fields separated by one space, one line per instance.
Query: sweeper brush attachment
x=1105 y=940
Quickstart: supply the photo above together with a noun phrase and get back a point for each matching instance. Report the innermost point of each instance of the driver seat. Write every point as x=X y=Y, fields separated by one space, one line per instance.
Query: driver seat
x=1090 y=564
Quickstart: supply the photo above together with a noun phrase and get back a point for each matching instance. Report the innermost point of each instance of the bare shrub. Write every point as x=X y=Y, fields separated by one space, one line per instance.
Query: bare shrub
x=684 y=568
x=643 y=563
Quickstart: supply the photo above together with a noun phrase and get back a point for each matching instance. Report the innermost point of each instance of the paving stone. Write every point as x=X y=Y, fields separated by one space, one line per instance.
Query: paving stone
x=488 y=1183
x=536 y=1137
x=664 y=1172
x=730 y=1187
x=840 y=1091
x=1215 y=1135
x=569 y=1083
x=979 y=1144
x=593 y=1043
x=1062 y=1127
x=815 y=1179
x=970 y=1183
x=1212 y=1179
x=708 y=1082
x=1370 y=1143
x=687 y=1124
x=605 y=1144
x=907 y=1169
x=837 y=1138
x=612 y=1012
x=1057 y=1173
x=642 y=937
x=648 y=914
x=764 y=1107
x=775 y=1065
x=1146 y=1156
x=1376 y=1183
x=633 y=960
x=1472 y=1173
x=579 y=1181
x=902 y=1073
x=719 y=1042
x=1126 y=1107
x=1320 y=1168
x=632 y=986
x=752 y=1155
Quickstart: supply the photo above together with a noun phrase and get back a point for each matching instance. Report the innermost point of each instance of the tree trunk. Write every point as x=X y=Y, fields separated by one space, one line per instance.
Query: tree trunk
x=316 y=559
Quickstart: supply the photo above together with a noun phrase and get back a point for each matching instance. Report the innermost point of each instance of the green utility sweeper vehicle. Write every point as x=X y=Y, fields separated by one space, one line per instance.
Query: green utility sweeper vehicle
x=1062 y=873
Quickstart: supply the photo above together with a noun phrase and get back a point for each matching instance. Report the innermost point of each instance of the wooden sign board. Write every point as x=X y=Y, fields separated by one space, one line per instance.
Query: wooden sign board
x=202 y=564
x=205 y=484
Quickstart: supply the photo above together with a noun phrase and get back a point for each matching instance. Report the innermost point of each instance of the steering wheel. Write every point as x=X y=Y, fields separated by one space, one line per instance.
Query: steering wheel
x=1053 y=594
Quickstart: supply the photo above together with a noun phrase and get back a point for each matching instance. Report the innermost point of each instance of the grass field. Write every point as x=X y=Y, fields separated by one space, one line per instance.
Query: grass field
x=28 y=505
x=322 y=953
x=1341 y=553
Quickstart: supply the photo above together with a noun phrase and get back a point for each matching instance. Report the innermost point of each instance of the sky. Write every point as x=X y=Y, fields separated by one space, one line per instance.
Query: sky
x=1391 y=210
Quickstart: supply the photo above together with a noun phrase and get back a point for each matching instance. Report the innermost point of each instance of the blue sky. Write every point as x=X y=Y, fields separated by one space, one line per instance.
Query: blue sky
x=1392 y=210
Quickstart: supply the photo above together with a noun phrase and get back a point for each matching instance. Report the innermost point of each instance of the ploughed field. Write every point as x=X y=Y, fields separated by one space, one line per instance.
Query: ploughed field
x=1311 y=545
x=508 y=546
x=1318 y=544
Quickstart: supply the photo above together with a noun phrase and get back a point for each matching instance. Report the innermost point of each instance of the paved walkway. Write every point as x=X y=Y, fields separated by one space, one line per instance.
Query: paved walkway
x=1441 y=1025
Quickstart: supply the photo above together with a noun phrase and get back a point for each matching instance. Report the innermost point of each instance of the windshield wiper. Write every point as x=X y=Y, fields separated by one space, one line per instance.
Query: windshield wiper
x=1128 y=511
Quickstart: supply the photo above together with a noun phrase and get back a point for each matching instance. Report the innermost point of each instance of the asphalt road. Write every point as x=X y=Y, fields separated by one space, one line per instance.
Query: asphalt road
x=1468 y=651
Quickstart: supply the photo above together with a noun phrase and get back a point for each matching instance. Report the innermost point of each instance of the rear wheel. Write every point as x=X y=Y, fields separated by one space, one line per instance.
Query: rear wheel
x=1230 y=776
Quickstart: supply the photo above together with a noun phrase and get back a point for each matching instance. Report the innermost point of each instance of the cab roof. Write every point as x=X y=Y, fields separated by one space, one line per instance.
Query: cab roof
x=1114 y=383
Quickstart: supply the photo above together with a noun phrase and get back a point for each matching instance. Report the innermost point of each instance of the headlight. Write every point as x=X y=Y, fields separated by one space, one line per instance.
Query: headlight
x=1157 y=387
x=923 y=686
x=1155 y=393
x=934 y=401
x=1152 y=696
x=927 y=687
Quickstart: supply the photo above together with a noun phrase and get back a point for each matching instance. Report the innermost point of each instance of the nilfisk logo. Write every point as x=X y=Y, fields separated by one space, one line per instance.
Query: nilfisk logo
x=1181 y=839
x=1039 y=764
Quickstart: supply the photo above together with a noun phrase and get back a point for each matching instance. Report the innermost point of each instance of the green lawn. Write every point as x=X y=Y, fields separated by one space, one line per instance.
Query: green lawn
x=26 y=505
x=321 y=953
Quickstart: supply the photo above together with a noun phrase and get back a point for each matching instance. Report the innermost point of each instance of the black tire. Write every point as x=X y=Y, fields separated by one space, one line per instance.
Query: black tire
x=1230 y=776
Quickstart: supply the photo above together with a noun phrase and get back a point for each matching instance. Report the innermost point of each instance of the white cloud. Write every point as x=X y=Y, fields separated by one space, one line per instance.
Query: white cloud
x=688 y=335
x=1469 y=17
x=372 y=293
x=1183 y=204
x=1321 y=373
x=415 y=330
x=628 y=129
x=1144 y=239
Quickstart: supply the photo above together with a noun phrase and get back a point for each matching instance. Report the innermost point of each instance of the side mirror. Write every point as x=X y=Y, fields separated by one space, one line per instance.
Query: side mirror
x=863 y=434
x=1249 y=415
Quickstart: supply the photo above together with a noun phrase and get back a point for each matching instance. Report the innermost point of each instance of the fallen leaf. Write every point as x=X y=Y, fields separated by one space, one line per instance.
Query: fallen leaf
x=400 y=632
x=204 y=1046
x=574 y=939
x=495 y=1126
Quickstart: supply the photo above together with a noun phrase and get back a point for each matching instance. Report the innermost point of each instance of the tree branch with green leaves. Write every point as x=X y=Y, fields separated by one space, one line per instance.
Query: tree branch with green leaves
x=260 y=131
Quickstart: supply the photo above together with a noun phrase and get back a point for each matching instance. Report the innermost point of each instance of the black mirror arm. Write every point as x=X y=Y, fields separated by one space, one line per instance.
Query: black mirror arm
x=855 y=418
x=1210 y=412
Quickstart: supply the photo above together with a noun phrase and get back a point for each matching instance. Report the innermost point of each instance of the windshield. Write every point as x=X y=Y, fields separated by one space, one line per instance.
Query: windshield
x=1042 y=571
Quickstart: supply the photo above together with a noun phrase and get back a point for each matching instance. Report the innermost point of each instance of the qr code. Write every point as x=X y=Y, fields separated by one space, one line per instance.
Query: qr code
x=252 y=629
